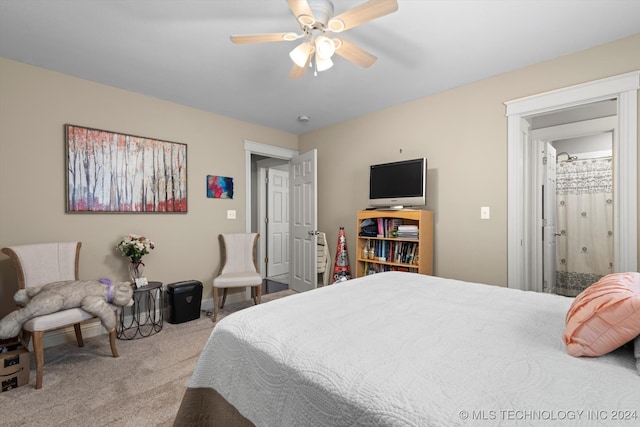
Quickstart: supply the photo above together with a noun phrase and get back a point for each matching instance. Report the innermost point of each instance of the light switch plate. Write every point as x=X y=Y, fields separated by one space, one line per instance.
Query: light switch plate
x=231 y=214
x=485 y=212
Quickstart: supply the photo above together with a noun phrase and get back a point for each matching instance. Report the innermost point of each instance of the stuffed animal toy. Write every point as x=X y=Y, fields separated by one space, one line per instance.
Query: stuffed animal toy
x=91 y=296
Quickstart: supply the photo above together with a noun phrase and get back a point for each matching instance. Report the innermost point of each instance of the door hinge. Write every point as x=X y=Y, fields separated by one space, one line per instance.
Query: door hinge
x=266 y=220
x=544 y=160
x=266 y=260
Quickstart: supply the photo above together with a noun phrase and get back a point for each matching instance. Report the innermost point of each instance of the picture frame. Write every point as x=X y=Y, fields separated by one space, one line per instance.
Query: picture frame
x=111 y=172
x=219 y=187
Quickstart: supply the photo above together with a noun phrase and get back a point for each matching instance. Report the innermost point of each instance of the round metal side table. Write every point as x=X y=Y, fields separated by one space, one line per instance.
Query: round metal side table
x=145 y=317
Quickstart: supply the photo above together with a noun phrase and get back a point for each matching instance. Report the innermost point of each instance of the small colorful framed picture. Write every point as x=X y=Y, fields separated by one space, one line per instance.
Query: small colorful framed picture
x=219 y=187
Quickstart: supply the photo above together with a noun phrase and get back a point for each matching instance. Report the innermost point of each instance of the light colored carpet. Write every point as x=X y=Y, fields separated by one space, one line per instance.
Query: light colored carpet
x=87 y=387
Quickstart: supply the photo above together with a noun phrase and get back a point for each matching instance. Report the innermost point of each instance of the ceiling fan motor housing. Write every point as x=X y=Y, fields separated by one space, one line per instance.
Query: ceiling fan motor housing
x=322 y=12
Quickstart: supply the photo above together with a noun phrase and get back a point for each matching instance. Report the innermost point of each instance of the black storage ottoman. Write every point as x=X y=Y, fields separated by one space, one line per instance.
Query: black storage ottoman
x=184 y=300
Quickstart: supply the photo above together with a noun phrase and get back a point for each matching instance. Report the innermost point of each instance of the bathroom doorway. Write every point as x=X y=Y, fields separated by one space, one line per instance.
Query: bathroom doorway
x=574 y=194
x=524 y=237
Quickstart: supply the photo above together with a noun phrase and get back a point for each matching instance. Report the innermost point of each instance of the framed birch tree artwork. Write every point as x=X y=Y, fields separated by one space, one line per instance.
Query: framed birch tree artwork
x=114 y=172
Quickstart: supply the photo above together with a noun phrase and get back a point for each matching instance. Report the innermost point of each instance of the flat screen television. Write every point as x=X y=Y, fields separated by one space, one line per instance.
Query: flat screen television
x=398 y=184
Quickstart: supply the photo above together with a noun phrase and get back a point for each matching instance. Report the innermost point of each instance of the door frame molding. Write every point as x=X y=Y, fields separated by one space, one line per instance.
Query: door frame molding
x=272 y=151
x=623 y=88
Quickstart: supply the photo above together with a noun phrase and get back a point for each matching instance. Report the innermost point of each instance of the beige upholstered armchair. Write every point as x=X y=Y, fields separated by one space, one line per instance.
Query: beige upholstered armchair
x=37 y=265
x=238 y=268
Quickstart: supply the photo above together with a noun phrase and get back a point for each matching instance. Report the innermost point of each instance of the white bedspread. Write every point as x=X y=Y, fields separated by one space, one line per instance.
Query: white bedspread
x=401 y=349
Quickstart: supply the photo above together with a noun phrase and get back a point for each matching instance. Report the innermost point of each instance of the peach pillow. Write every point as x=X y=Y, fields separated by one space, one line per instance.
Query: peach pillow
x=604 y=316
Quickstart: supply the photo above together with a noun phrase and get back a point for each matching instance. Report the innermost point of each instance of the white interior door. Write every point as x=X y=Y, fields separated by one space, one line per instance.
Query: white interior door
x=303 y=222
x=277 y=222
x=549 y=213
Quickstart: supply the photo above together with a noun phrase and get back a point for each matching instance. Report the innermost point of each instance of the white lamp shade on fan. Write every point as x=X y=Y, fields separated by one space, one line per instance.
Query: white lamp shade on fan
x=323 y=64
x=300 y=54
x=325 y=48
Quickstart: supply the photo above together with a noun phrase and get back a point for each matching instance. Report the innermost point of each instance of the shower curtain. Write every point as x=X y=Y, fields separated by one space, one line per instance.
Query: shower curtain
x=584 y=223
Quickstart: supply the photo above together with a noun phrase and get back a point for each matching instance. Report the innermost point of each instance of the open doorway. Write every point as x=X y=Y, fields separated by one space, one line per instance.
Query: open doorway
x=584 y=212
x=574 y=196
x=259 y=159
x=272 y=191
x=524 y=237
x=303 y=262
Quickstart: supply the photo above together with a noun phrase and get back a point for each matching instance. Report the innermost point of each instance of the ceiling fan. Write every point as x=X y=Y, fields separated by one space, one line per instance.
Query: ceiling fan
x=316 y=19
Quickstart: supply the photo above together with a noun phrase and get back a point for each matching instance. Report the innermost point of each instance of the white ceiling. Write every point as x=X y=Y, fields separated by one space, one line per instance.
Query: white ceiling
x=180 y=50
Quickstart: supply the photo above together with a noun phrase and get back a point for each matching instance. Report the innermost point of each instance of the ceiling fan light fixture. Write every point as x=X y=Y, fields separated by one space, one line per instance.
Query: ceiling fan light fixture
x=336 y=25
x=325 y=48
x=323 y=64
x=300 y=54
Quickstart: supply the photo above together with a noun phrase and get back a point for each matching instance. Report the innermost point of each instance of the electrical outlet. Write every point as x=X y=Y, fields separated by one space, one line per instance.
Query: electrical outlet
x=231 y=214
x=485 y=212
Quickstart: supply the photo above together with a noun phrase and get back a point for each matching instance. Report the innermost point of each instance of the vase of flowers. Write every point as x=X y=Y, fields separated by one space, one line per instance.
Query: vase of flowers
x=135 y=247
x=136 y=269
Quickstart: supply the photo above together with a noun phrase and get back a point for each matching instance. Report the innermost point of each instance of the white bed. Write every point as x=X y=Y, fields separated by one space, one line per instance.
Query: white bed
x=402 y=349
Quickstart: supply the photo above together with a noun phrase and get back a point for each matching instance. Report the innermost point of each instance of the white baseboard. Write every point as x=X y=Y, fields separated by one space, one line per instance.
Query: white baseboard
x=89 y=329
x=232 y=298
x=95 y=328
x=207 y=305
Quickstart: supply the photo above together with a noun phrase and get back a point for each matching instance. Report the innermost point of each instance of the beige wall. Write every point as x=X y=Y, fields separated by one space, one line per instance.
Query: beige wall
x=34 y=106
x=463 y=133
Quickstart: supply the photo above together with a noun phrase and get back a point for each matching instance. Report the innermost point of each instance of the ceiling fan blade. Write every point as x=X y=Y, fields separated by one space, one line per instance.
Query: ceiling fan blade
x=359 y=15
x=264 y=38
x=298 y=72
x=353 y=53
x=302 y=11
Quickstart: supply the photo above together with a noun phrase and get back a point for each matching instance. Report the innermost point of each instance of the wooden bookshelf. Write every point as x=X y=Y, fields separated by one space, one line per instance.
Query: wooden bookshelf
x=393 y=251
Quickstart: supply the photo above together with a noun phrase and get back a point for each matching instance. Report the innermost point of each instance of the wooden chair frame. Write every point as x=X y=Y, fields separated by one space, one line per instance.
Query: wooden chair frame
x=38 y=336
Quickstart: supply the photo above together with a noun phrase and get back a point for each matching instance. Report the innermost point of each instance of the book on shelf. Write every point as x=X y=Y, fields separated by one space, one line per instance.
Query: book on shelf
x=400 y=252
x=408 y=236
x=407 y=227
x=388 y=227
x=371 y=268
x=408 y=231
